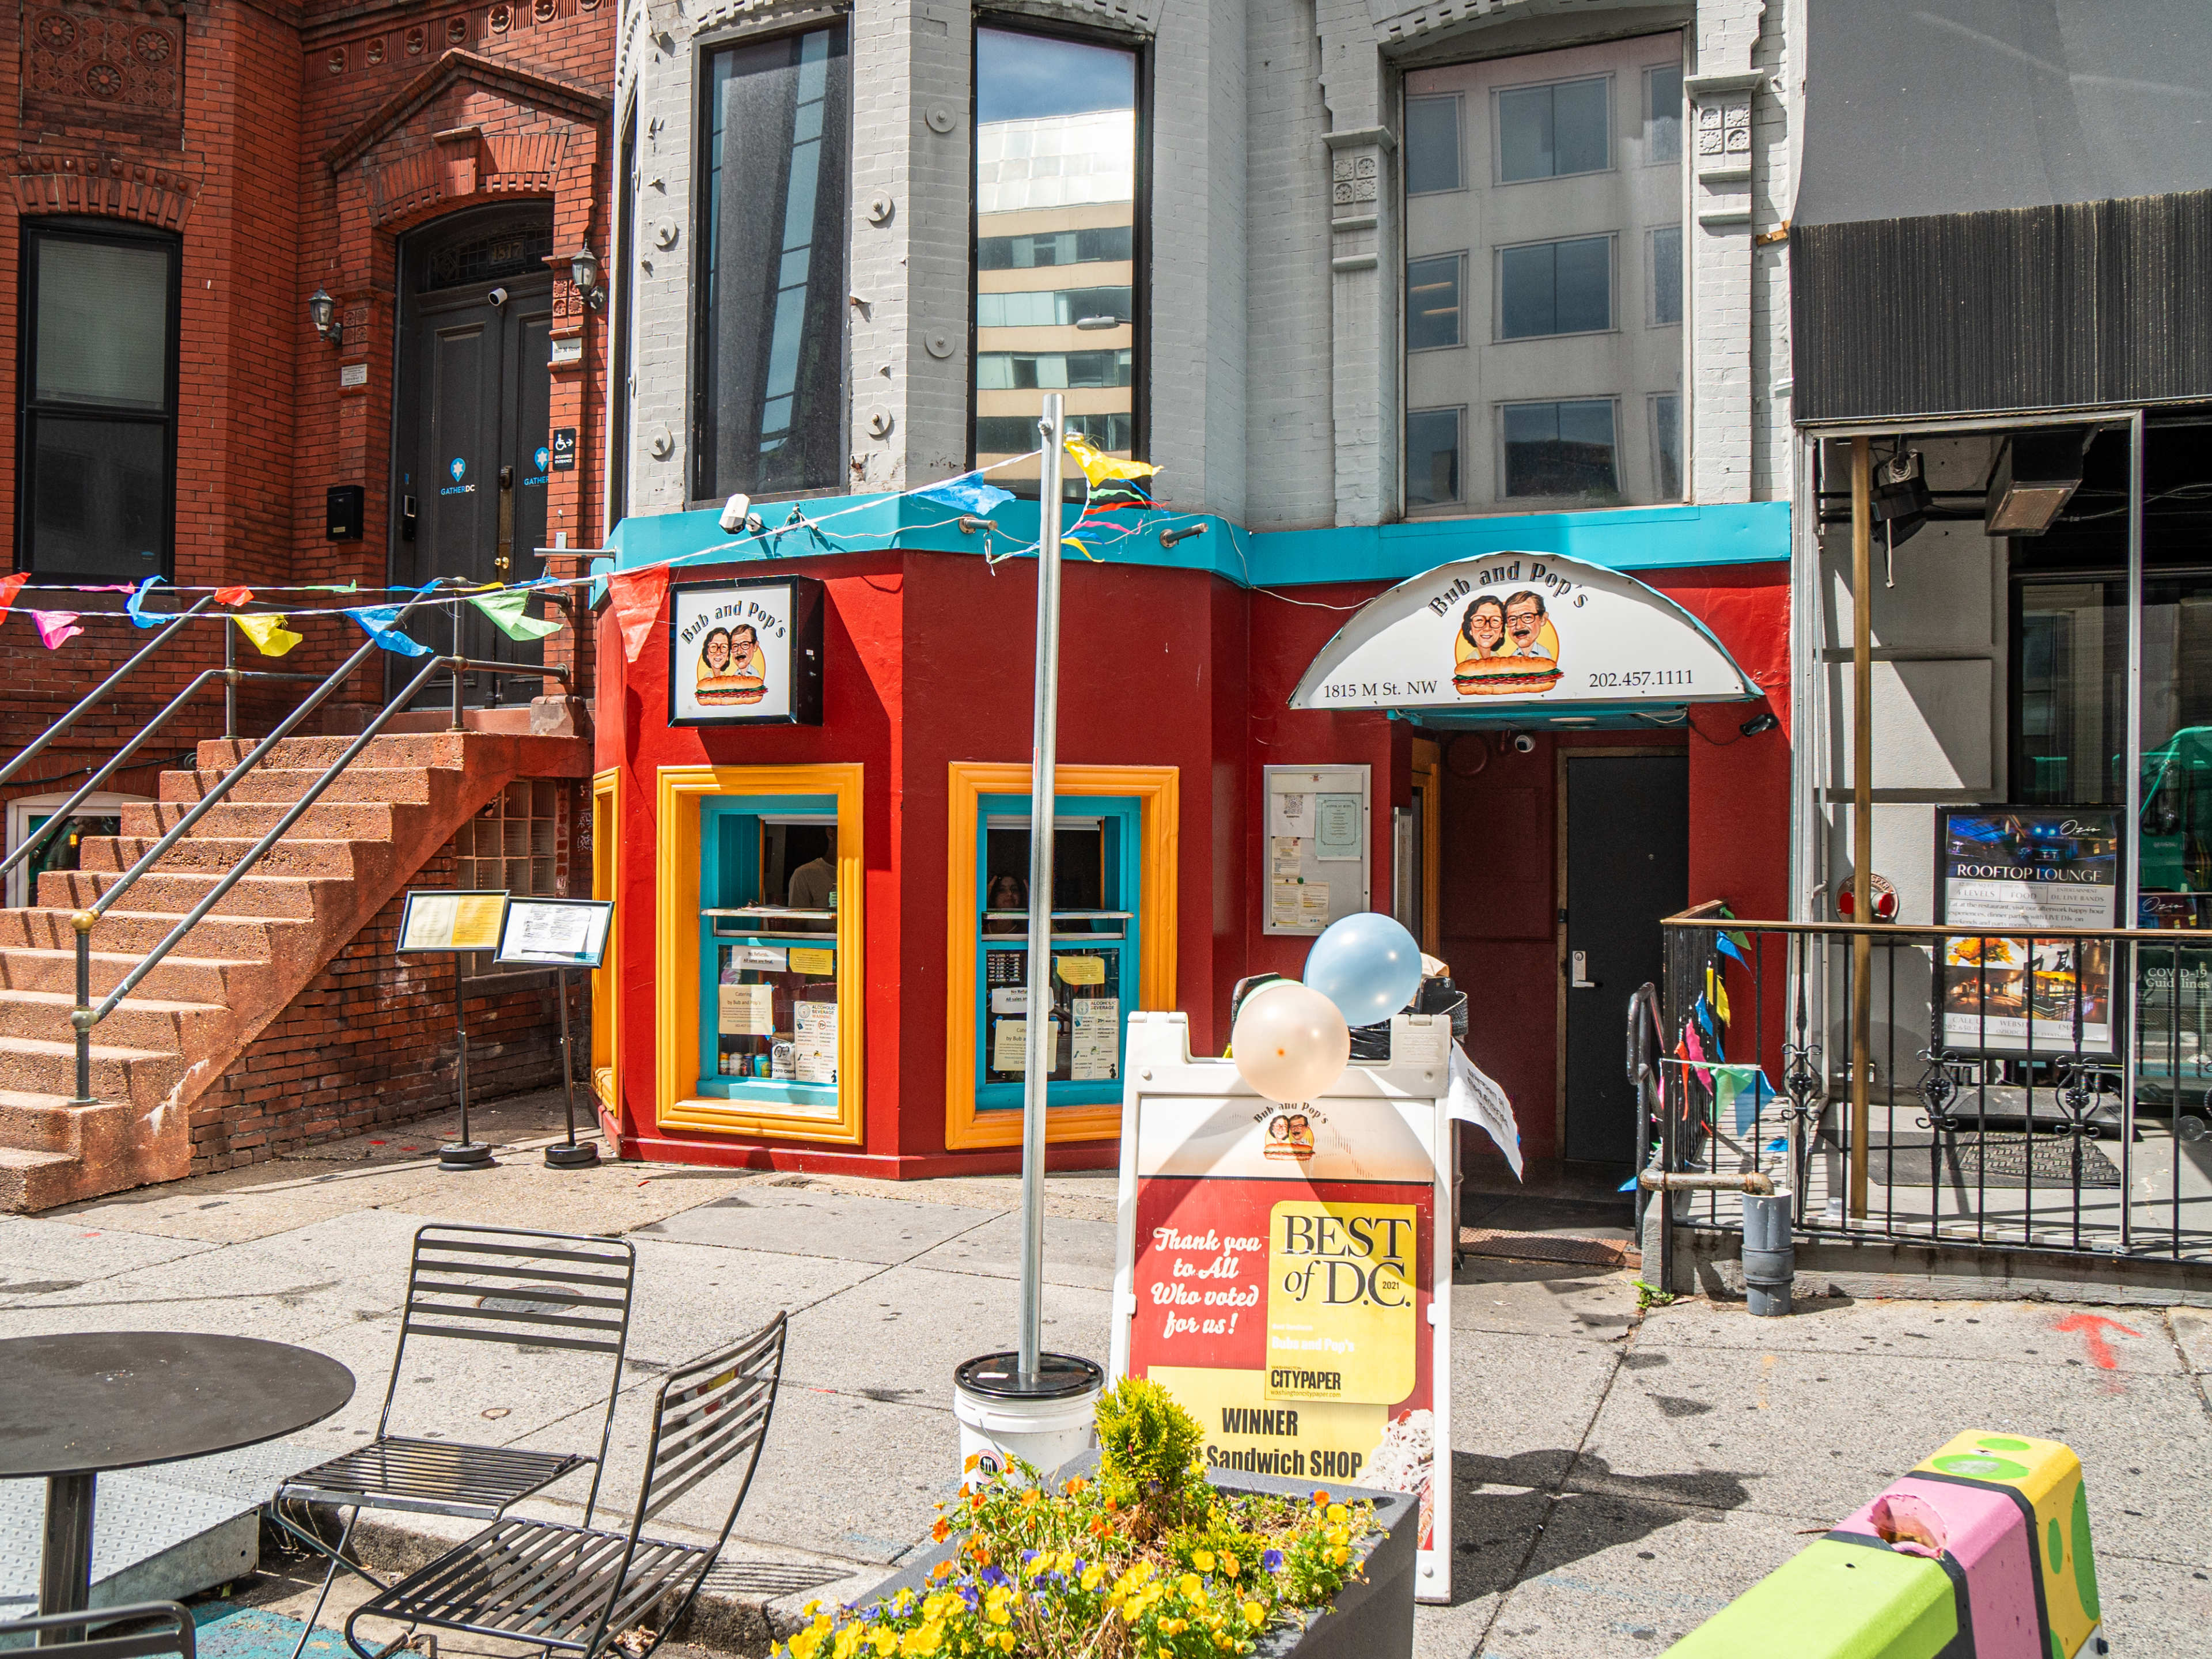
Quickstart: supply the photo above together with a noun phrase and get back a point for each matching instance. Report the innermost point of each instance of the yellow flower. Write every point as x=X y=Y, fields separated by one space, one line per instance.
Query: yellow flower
x=923 y=1640
x=885 y=1639
x=1067 y=1562
x=1130 y=1612
x=1093 y=1574
x=804 y=1644
x=1338 y=1535
x=1006 y=1641
x=848 y=1643
x=1202 y=1559
x=1254 y=1614
x=1338 y=1514
x=1340 y=1555
x=1190 y=1587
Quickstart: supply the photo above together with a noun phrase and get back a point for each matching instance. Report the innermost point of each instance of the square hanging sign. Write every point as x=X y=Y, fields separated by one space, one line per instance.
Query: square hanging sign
x=746 y=652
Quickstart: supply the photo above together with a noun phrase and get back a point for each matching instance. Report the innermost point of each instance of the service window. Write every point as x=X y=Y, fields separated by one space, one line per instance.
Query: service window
x=1095 y=948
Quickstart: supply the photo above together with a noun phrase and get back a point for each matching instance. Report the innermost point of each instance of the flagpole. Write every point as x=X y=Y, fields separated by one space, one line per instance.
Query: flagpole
x=1041 y=1051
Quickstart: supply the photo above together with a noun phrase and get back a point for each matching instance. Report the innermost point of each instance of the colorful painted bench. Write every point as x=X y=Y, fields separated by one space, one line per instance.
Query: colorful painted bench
x=1982 y=1552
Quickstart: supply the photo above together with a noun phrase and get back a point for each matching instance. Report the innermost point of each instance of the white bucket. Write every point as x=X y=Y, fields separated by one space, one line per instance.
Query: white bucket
x=1047 y=1425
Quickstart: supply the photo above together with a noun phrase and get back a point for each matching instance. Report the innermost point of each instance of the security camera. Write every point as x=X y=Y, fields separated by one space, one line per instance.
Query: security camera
x=496 y=298
x=1523 y=744
x=734 y=512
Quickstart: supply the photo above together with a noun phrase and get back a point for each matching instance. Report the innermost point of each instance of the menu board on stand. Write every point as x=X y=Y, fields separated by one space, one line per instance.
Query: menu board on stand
x=1284 y=1272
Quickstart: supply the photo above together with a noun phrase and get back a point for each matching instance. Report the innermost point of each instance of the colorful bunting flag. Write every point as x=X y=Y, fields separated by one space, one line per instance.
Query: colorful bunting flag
x=380 y=621
x=233 y=595
x=270 y=635
x=1717 y=992
x=10 y=586
x=967 y=492
x=1727 y=946
x=54 y=627
x=136 y=604
x=636 y=597
x=1745 y=1085
x=507 y=612
x=1098 y=467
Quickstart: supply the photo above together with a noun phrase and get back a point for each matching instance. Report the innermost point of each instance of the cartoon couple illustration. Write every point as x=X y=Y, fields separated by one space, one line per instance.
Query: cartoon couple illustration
x=731 y=667
x=1506 y=647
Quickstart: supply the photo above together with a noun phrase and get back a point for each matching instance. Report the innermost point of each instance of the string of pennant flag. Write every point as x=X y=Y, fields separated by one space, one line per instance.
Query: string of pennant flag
x=636 y=595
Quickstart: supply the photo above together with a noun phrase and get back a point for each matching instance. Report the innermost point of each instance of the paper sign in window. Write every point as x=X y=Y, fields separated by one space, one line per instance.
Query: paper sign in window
x=1080 y=971
x=748 y=1010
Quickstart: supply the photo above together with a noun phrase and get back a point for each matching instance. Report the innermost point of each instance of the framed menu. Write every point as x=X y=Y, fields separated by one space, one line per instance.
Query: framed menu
x=436 y=920
x=2013 y=870
x=555 y=932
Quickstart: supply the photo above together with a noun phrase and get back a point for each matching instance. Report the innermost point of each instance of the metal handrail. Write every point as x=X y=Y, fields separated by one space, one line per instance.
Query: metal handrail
x=100 y=691
x=37 y=843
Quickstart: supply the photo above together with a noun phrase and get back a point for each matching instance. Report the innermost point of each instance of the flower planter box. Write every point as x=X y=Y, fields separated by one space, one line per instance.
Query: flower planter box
x=1371 y=1618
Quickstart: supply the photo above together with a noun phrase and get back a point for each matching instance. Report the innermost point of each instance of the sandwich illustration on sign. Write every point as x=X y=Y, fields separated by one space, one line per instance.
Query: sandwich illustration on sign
x=731 y=667
x=1505 y=646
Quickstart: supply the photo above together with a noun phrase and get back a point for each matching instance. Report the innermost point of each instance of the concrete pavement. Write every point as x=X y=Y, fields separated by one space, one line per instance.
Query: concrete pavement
x=1619 y=1475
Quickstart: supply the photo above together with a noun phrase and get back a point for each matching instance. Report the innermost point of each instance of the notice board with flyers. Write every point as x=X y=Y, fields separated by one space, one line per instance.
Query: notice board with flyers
x=1284 y=1272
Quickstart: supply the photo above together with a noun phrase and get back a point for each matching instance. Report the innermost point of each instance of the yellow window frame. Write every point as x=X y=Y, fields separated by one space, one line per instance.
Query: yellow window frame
x=681 y=791
x=1155 y=788
x=606 y=979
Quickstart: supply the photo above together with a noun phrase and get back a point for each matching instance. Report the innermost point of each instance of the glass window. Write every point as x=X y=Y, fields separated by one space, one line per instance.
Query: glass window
x=1667 y=445
x=1561 y=449
x=1567 y=296
x=98 y=427
x=623 y=326
x=771 y=405
x=1555 y=287
x=1432 y=145
x=1665 y=274
x=1433 y=302
x=1663 y=114
x=1432 y=447
x=1055 y=241
x=1548 y=132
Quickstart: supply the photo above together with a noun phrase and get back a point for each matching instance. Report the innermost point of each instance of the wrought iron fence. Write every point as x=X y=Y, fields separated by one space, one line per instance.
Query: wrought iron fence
x=1938 y=1084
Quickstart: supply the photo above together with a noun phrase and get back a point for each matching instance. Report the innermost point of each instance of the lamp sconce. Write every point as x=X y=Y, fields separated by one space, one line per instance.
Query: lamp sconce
x=584 y=272
x=323 y=312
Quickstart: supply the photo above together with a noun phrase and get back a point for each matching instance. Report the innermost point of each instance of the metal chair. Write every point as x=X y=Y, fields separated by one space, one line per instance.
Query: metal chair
x=531 y=1290
x=576 y=1588
x=175 y=1637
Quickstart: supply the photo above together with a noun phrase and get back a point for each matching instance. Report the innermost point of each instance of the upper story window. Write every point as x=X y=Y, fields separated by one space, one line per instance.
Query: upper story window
x=1057 y=296
x=769 y=415
x=98 y=443
x=1544 y=244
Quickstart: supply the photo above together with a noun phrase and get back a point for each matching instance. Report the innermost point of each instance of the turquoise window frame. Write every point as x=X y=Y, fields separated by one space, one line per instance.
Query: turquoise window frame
x=729 y=876
x=1122 y=818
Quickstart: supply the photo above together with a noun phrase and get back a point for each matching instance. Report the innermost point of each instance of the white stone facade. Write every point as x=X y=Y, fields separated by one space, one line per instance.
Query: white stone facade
x=1273 y=329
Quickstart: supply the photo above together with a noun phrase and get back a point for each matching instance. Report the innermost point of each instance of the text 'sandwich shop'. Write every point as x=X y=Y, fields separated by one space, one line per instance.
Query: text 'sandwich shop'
x=1528 y=738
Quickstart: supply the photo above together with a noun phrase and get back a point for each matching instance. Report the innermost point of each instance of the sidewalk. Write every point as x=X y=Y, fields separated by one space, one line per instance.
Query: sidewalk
x=1617 y=1474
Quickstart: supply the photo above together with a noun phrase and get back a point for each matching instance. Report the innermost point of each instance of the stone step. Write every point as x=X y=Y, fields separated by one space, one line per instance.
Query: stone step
x=219 y=854
x=148 y=1023
x=186 y=979
x=386 y=749
x=256 y=895
x=133 y=932
x=142 y=1077
x=326 y=820
x=36 y=1180
x=411 y=785
x=39 y=1123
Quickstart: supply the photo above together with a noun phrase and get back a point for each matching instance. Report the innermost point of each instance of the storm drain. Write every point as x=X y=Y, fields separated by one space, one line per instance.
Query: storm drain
x=1549 y=1247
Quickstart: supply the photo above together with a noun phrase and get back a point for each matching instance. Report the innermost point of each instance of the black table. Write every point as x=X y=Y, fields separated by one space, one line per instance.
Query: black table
x=74 y=1406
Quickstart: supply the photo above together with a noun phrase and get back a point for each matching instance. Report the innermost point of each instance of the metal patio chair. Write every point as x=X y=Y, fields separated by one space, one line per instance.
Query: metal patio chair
x=174 y=1635
x=528 y=1290
x=574 y=1590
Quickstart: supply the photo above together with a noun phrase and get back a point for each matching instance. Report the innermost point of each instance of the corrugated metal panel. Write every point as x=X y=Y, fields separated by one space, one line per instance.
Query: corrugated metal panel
x=2051 y=307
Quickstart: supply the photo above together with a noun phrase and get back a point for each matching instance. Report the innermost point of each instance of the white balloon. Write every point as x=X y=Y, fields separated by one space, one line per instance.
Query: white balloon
x=1290 y=1042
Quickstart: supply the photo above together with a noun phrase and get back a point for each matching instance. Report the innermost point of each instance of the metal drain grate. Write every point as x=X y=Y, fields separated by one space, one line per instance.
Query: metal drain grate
x=1549 y=1247
x=770 y=1578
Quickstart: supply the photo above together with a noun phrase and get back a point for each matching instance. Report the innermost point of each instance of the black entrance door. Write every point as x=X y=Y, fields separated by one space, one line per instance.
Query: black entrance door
x=1628 y=865
x=472 y=422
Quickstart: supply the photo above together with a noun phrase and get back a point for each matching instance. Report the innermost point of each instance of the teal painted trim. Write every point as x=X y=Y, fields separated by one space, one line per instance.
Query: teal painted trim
x=729 y=876
x=1618 y=538
x=765 y=1091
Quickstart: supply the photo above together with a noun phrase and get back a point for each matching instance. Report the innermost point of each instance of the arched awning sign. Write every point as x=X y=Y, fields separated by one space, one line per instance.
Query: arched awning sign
x=1521 y=630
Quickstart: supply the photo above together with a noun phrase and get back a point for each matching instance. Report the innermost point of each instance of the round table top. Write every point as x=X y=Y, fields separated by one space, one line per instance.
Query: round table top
x=86 y=1401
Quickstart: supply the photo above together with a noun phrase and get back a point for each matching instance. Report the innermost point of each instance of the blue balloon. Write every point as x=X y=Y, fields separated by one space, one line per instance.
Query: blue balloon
x=1368 y=965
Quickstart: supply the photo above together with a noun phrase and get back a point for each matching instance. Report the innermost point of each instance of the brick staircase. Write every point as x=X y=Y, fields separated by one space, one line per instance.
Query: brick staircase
x=200 y=1009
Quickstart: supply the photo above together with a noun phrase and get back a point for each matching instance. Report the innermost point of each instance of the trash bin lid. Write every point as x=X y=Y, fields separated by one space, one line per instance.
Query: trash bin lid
x=1059 y=1377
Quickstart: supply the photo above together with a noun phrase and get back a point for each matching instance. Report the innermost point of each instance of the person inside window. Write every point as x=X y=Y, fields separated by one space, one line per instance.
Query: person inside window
x=1007 y=893
x=813 y=884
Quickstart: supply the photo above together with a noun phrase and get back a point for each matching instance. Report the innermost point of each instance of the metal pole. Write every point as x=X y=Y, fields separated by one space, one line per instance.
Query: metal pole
x=66 y=1560
x=82 y=1016
x=229 y=681
x=2131 y=843
x=1041 y=1050
x=1862 y=810
x=571 y=1157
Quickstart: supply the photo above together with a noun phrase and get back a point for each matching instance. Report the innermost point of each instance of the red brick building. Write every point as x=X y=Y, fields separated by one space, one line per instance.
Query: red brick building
x=188 y=177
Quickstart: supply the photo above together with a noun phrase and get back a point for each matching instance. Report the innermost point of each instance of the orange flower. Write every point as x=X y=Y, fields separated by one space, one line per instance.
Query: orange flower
x=1098 y=1527
x=976 y=1502
x=1321 y=1500
x=942 y=1570
x=942 y=1530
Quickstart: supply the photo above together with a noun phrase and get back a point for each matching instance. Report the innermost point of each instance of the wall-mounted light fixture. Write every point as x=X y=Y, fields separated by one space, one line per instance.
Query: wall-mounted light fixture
x=584 y=271
x=1901 y=497
x=323 y=312
x=2036 y=473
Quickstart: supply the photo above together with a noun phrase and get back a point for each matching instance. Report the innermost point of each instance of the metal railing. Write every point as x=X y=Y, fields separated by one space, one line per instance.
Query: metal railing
x=87 y=1014
x=2050 y=1092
